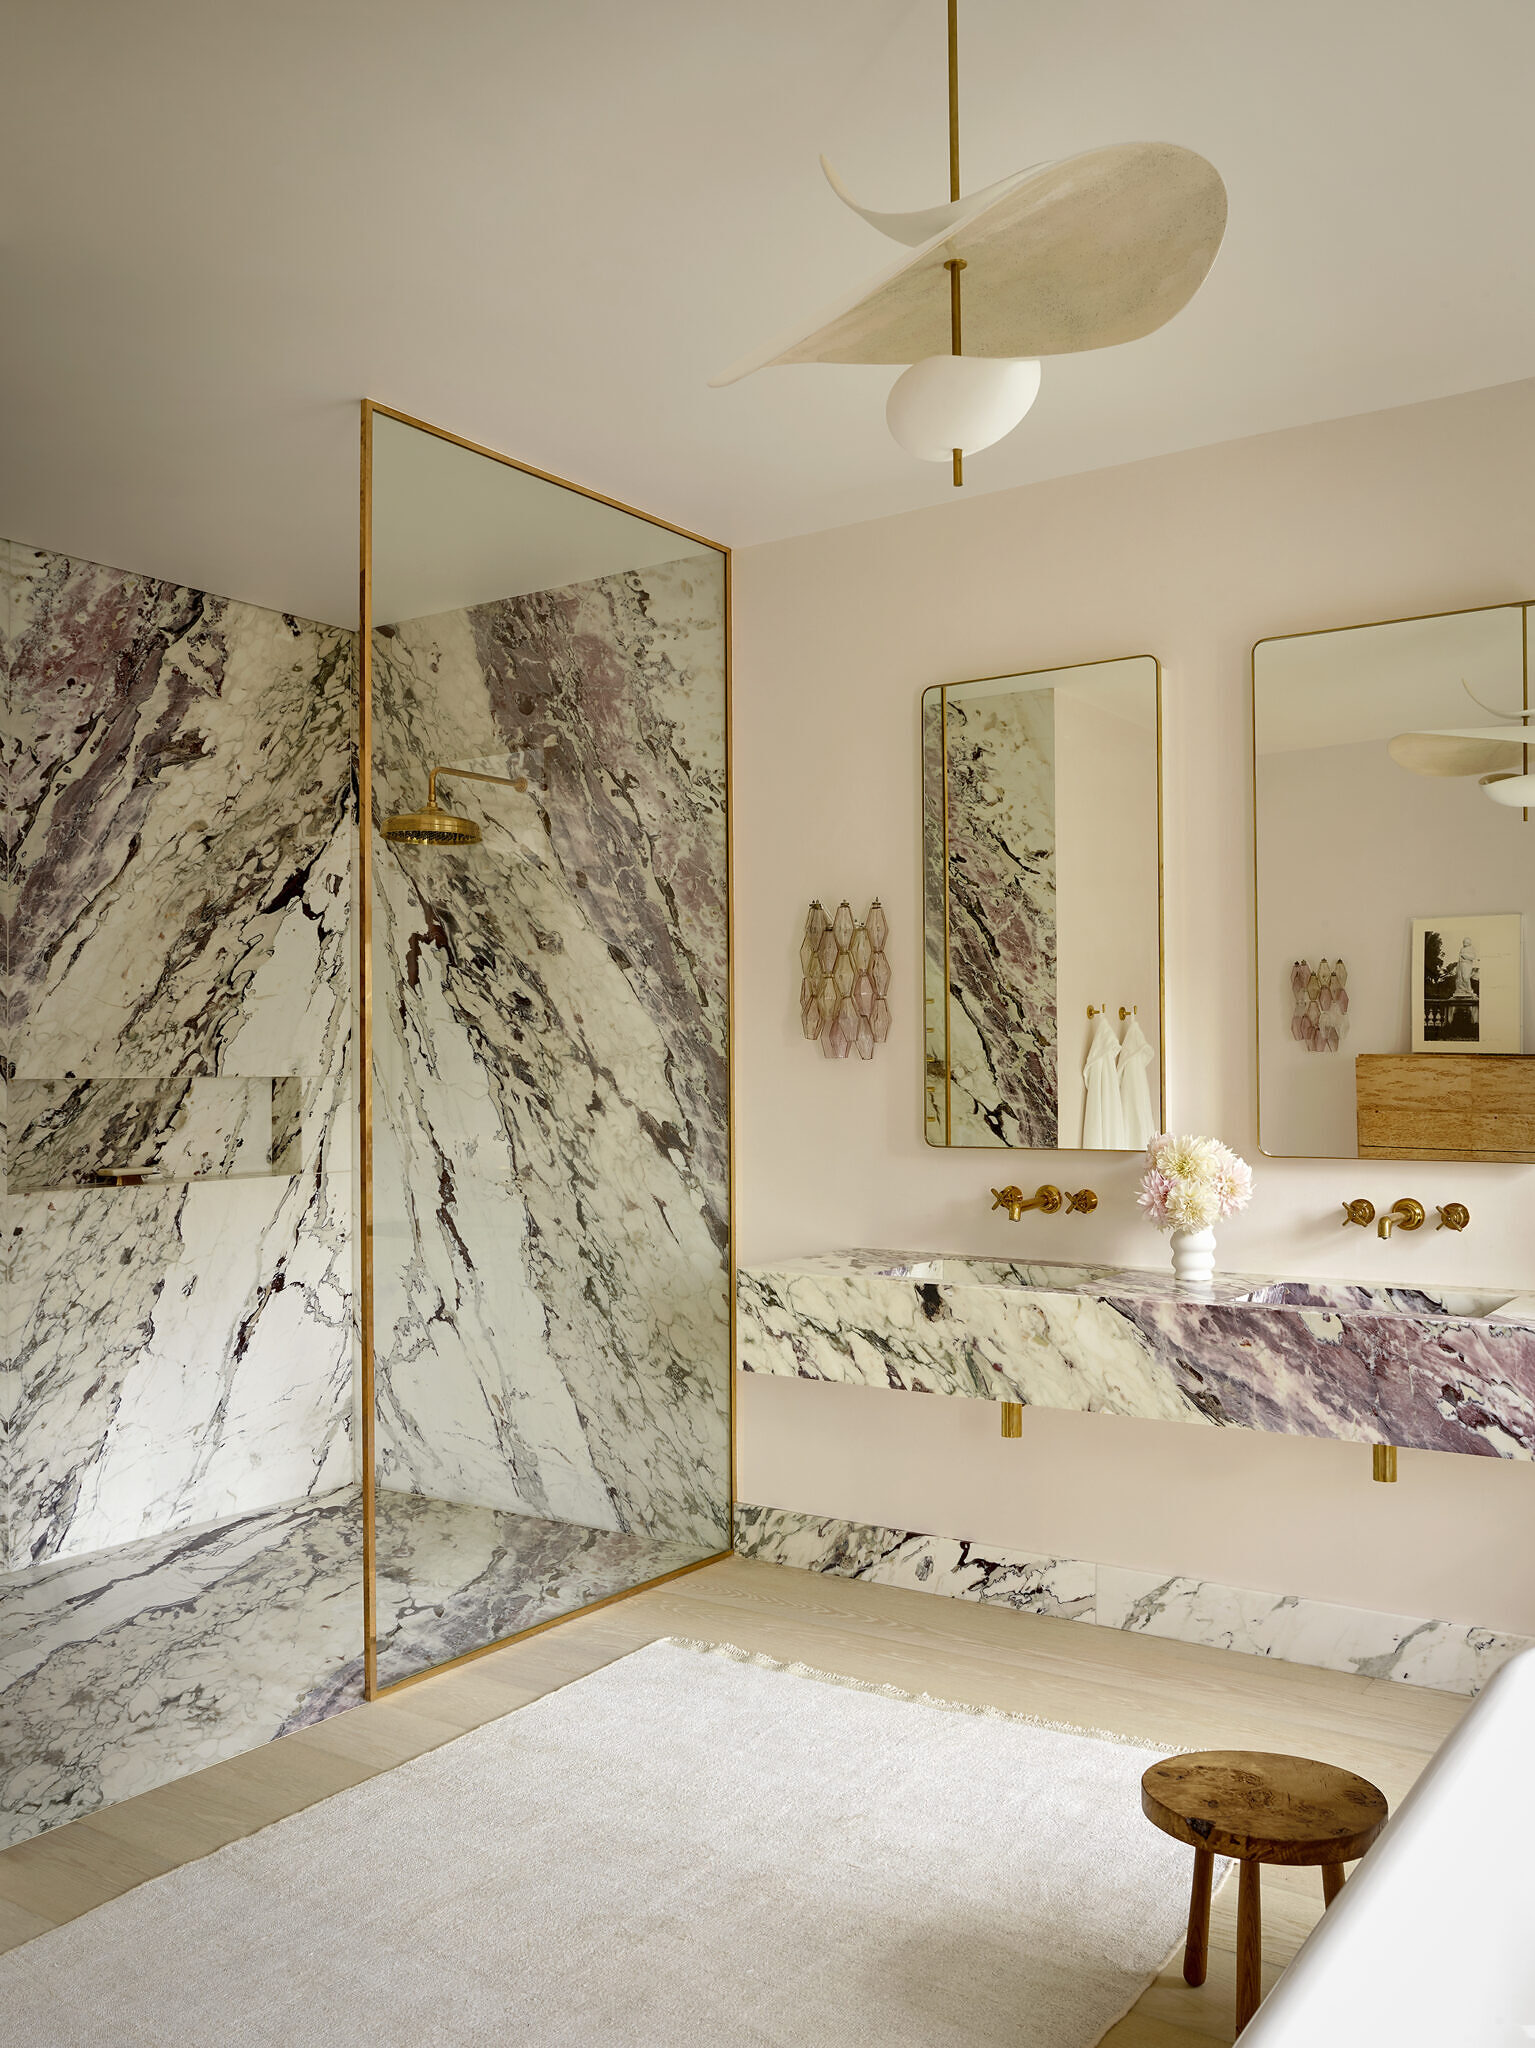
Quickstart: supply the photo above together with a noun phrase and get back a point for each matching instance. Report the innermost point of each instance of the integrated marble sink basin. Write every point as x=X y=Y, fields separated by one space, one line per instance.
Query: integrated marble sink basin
x=1151 y=1284
x=1424 y=1368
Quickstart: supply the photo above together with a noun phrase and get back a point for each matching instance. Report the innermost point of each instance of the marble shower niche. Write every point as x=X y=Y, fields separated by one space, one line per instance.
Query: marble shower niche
x=551 y=1209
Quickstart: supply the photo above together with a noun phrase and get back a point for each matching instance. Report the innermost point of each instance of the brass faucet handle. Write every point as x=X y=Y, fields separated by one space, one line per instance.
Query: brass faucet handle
x=1407 y=1213
x=1010 y=1199
x=1453 y=1216
x=1361 y=1212
x=1047 y=1198
x=1084 y=1203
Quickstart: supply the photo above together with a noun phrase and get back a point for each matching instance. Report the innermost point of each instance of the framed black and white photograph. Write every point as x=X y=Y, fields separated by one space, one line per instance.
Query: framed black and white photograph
x=1466 y=983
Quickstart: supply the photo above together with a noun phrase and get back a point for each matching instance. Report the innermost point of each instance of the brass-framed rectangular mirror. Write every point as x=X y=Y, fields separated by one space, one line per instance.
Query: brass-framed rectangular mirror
x=1042 y=908
x=1394 y=880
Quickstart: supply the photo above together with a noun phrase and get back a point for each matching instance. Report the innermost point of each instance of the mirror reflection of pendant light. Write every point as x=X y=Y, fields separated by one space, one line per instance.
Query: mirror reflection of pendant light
x=1083 y=253
x=1497 y=755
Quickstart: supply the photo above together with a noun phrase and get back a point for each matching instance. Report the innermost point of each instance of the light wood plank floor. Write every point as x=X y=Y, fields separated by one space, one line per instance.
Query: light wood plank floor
x=1172 y=1693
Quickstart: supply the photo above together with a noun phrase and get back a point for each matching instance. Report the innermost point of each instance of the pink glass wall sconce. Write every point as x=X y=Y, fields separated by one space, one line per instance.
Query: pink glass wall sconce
x=845 y=980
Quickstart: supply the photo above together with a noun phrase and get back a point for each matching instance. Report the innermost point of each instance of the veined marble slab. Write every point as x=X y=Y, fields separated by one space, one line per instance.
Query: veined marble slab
x=1448 y=1656
x=928 y=1564
x=177 y=832
x=64 y=1134
x=551 y=1207
x=452 y=1578
x=1411 y=1367
x=126 y=1669
x=123 y=1670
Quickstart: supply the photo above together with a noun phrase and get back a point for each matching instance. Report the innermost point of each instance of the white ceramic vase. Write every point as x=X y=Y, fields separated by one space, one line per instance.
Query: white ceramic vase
x=1194 y=1258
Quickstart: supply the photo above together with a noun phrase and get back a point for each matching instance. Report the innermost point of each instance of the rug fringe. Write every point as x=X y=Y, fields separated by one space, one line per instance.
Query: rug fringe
x=737 y=1655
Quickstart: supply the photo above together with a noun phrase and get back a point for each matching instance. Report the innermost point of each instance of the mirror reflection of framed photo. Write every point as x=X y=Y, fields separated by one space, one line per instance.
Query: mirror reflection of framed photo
x=1466 y=984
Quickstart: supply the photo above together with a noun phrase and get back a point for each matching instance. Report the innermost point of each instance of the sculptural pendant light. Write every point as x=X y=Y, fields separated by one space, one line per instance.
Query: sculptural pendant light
x=1080 y=254
x=1497 y=755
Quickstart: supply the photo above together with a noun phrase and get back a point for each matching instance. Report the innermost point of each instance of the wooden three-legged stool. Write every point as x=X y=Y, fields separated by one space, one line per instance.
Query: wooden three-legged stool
x=1259 y=1809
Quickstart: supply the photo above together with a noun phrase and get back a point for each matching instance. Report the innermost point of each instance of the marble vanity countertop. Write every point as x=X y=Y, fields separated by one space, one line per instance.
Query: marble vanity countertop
x=1425 y=1368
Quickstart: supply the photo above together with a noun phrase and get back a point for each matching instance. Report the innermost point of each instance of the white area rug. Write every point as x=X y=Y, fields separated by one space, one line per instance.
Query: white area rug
x=692 y=1847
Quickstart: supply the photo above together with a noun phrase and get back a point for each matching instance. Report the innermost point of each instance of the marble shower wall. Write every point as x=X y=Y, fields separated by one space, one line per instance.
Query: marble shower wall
x=176 y=831
x=551 y=1188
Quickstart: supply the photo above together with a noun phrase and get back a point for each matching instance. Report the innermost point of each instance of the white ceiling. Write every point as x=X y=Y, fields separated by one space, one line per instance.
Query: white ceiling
x=545 y=223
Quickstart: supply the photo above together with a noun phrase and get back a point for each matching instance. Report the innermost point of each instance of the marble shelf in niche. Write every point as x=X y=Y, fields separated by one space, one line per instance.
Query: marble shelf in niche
x=81 y=1132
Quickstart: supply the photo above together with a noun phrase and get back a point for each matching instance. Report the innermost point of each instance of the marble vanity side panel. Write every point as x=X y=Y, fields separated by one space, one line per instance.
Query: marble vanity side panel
x=1449 y=1656
x=180 y=835
x=1002 y=912
x=928 y=1564
x=553 y=1282
x=1292 y=1372
x=1451 y=1385
x=993 y=1343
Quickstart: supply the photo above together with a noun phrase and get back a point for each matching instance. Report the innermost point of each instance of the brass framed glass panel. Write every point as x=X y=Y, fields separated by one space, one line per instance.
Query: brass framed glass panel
x=548 y=1276
x=1394 y=874
x=1042 y=908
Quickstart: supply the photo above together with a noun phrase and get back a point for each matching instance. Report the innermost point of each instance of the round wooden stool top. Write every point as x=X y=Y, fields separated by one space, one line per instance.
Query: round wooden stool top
x=1262 y=1808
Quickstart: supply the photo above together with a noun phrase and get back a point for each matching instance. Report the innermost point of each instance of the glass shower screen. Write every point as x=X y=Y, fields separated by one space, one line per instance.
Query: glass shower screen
x=548 y=1270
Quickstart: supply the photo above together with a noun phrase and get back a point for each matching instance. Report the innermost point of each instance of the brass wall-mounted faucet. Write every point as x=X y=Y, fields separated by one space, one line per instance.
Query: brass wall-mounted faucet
x=1046 y=1199
x=1406 y=1212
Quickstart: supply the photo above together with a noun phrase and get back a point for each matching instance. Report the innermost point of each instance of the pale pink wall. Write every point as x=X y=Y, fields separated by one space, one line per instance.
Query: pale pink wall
x=1191 y=557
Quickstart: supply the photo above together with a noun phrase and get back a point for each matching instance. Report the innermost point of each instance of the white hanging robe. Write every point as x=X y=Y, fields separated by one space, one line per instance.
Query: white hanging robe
x=1139 y=1124
x=1103 y=1119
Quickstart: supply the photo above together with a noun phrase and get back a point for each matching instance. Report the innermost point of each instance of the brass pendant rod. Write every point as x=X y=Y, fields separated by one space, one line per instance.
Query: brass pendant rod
x=955 y=265
x=953 y=99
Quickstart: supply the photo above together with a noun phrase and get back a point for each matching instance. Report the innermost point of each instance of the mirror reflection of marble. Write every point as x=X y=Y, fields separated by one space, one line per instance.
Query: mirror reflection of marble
x=1391 y=870
x=1042 y=908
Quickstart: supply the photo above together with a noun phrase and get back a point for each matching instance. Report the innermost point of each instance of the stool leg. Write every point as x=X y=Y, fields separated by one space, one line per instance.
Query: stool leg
x=1249 y=1944
x=1332 y=1882
x=1196 y=1952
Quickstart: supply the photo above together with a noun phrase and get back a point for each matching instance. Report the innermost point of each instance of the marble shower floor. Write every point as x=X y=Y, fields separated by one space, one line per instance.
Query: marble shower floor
x=127 y=1668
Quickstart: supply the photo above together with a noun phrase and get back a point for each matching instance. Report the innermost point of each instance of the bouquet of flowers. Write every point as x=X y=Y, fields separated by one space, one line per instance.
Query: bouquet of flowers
x=1191 y=1183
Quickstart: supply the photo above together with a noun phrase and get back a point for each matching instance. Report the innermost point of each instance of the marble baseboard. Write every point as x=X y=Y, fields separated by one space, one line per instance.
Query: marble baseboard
x=1447 y=1656
x=929 y=1564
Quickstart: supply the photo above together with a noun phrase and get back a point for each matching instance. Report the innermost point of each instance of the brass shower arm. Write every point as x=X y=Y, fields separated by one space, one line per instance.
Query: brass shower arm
x=471 y=775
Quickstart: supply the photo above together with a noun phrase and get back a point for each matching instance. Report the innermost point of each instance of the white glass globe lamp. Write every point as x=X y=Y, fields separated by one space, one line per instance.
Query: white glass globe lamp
x=1517 y=791
x=965 y=402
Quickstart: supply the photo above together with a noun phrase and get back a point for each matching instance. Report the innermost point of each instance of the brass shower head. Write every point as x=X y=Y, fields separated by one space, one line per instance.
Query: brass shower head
x=431 y=827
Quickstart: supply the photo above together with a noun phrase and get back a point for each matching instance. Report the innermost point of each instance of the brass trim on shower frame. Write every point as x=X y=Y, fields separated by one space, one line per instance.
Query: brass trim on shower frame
x=947 y=1144
x=1519 y=604
x=365 y=1059
x=370 y=410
